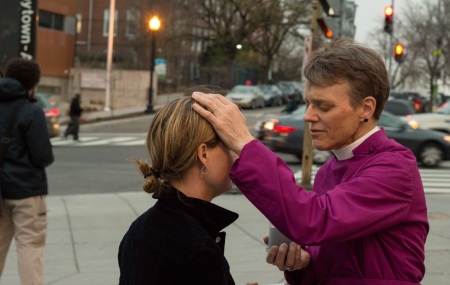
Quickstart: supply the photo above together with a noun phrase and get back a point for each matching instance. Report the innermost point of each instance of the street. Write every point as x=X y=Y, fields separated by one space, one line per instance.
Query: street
x=102 y=163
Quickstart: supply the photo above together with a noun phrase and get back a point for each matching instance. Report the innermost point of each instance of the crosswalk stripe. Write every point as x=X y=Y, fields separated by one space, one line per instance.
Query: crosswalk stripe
x=434 y=180
x=134 y=142
x=95 y=141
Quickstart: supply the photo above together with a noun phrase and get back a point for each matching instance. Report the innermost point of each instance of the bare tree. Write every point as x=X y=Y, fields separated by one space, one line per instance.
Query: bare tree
x=276 y=21
x=424 y=30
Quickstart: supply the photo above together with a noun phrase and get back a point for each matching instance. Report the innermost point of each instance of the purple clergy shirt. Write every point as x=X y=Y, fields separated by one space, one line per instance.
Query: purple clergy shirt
x=365 y=222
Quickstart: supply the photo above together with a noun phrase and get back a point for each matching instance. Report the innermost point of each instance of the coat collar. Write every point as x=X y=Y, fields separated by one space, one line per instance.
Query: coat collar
x=371 y=144
x=212 y=217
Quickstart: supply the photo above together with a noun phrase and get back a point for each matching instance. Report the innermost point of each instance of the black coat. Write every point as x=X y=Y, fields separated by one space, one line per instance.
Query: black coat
x=23 y=174
x=177 y=241
x=75 y=107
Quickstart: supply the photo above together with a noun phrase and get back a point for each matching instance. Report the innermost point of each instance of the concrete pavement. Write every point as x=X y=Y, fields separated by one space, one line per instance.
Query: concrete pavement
x=85 y=231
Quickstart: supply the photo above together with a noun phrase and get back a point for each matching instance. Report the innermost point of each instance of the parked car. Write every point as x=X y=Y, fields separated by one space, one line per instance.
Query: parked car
x=246 y=96
x=263 y=126
x=417 y=100
x=438 y=120
x=51 y=113
x=272 y=94
x=399 y=107
x=429 y=147
x=291 y=88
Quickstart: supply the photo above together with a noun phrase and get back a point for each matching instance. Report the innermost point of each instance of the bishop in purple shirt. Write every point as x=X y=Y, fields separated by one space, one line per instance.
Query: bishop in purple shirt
x=365 y=220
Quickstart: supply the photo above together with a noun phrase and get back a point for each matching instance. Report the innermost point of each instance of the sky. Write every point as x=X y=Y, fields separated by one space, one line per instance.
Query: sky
x=370 y=15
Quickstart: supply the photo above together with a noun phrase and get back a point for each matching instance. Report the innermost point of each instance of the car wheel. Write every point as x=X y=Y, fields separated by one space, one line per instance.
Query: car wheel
x=431 y=155
x=253 y=105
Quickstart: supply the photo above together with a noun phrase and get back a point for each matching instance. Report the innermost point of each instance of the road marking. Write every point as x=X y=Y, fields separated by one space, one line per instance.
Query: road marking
x=96 y=141
x=434 y=180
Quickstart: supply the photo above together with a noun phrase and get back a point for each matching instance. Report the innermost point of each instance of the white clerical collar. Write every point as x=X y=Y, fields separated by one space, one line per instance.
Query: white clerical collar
x=347 y=151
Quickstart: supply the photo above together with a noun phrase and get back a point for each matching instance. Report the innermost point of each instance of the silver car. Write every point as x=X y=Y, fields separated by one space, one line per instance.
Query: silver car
x=437 y=121
x=246 y=96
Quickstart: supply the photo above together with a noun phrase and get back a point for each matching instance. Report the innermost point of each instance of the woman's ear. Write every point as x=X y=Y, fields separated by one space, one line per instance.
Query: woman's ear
x=369 y=105
x=202 y=153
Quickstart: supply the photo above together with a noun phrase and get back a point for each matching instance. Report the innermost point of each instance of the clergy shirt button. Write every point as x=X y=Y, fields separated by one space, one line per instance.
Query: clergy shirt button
x=217 y=239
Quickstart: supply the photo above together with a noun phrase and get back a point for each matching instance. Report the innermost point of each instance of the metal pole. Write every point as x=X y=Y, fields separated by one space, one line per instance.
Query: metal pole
x=391 y=47
x=112 y=10
x=90 y=27
x=149 y=109
x=307 y=155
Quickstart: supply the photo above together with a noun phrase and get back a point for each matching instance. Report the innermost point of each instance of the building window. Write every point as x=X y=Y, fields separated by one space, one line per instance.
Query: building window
x=132 y=27
x=51 y=20
x=106 y=22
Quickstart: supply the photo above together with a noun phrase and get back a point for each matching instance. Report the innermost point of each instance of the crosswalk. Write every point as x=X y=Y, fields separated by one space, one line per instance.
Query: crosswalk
x=100 y=141
x=434 y=180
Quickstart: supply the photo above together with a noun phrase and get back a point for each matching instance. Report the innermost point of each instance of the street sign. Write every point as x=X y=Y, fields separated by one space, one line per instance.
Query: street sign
x=18 y=29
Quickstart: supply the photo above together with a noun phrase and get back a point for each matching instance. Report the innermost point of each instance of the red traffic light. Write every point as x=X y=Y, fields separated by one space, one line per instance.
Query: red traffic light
x=327 y=32
x=388 y=11
x=398 y=52
x=388 y=19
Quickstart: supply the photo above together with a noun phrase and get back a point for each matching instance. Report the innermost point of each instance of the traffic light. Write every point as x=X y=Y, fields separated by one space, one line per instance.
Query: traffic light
x=388 y=19
x=327 y=32
x=398 y=51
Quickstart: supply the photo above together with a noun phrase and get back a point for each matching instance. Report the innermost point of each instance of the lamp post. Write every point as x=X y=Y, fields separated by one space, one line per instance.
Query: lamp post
x=154 y=25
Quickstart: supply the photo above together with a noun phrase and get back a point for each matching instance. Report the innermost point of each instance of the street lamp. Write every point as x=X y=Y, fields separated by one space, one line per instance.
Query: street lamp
x=154 y=25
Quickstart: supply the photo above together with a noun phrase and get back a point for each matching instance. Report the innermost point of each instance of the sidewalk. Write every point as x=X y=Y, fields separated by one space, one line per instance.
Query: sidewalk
x=85 y=232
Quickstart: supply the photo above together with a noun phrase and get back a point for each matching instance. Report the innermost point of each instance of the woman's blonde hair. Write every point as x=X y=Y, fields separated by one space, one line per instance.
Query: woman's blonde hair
x=174 y=136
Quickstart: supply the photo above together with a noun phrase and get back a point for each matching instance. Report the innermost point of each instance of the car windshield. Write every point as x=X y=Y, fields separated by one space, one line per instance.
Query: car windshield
x=265 y=87
x=299 y=112
x=445 y=109
x=43 y=101
x=399 y=108
x=242 y=89
x=390 y=121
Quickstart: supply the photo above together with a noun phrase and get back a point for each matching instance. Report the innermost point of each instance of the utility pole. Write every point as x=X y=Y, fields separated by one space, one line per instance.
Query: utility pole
x=307 y=155
x=112 y=12
x=391 y=45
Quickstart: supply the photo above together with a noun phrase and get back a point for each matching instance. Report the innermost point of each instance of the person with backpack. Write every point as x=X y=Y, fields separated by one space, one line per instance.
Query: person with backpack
x=25 y=152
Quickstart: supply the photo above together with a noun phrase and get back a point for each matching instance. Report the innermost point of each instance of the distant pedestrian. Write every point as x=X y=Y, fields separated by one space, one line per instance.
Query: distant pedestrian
x=178 y=240
x=23 y=184
x=75 y=114
x=291 y=105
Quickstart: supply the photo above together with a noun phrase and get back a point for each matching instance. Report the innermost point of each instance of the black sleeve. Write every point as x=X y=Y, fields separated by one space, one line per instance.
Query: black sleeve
x=37 y=139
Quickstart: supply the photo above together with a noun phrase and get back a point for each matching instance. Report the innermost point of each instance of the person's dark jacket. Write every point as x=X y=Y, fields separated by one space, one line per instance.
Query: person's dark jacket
x=75 y=107
x=291 y=106
x=177 y=241
x=30 y=151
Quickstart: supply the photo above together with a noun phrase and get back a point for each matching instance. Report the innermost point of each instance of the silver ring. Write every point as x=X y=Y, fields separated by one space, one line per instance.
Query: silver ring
x=214 y=110
x=289 y=268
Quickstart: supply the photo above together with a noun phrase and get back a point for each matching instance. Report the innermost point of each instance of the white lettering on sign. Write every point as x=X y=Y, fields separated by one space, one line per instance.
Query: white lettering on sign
x=26 y=23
